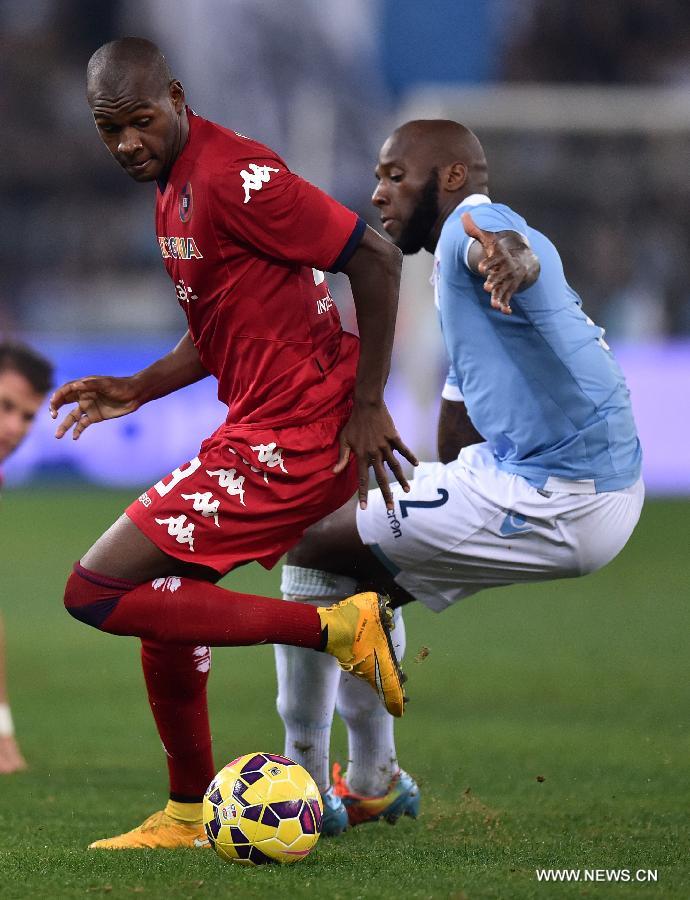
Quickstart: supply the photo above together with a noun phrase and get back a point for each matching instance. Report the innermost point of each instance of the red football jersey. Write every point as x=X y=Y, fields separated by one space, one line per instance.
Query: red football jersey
x=245 y=242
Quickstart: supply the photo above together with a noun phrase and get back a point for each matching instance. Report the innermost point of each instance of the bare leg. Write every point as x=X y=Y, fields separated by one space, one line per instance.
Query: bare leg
x=334 y=545
x=125 y=552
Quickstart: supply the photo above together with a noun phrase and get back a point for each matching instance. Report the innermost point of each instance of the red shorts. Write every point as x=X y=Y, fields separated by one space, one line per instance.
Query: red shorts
x=249 y=494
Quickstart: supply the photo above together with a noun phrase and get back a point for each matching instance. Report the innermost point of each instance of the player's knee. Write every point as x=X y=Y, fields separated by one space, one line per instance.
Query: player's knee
x=291 y=710
x=87 y=600
x=357 y=701
x=294 y=711
x=306 y=553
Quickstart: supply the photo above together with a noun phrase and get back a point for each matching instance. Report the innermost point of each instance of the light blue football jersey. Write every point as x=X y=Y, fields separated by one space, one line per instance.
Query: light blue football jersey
x=540 y=385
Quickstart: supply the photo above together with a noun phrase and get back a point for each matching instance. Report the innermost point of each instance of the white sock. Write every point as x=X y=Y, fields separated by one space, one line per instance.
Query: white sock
x=372 y=759
x=307 y=680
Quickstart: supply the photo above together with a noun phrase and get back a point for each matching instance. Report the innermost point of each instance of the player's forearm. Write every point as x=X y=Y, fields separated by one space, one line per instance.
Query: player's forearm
x=374 y=273
x=173 y=371
x=455 y=430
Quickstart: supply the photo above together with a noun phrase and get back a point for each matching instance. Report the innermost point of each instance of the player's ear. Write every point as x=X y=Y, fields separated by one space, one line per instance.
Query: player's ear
x=176 y=95
x=454 y=176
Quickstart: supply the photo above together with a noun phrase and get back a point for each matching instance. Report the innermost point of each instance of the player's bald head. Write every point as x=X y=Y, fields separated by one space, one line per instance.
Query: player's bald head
x=436 y=143
x=127 y=61
x=425 y=169
x=138 y=107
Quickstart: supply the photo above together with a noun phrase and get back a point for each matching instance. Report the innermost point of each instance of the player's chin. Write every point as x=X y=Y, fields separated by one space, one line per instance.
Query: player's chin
x=148 y=171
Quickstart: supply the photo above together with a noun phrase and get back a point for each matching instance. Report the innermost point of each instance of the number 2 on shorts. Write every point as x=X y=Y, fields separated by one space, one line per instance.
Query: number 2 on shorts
x=423 y=504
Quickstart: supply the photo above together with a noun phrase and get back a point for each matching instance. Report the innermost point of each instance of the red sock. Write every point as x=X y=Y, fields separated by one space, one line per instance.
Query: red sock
x=186 y=611
x=176 y=677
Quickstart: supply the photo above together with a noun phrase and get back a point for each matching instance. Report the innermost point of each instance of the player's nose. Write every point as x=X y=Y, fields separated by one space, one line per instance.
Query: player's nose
x=14 y=429
x=129 y=143
x=379 y=198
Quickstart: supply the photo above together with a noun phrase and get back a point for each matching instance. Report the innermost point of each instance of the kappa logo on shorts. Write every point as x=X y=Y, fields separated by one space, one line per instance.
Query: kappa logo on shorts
x=144 y=499
x=270 y=455
x=247 y=463
x=514 y=523
x=203 y=504
x=231 y=481
x=180 y=530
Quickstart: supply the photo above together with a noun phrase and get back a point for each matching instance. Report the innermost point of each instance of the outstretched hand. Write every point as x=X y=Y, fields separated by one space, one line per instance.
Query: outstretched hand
x=97 y=398
x=505 y=268
x=372 y=436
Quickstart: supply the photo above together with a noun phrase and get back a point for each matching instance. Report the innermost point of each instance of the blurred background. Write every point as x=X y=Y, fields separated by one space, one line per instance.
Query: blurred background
x=583 y=109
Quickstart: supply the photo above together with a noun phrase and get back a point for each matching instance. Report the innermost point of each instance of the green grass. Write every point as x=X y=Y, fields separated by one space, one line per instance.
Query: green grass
x=583 y=683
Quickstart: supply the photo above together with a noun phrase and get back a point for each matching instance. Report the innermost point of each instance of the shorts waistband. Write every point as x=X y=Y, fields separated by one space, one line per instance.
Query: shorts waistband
x=566 y=486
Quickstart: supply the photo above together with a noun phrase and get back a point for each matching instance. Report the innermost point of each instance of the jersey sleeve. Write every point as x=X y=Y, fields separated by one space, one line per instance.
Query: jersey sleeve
x=451 y=389
x=263 y=204
x=490 y=217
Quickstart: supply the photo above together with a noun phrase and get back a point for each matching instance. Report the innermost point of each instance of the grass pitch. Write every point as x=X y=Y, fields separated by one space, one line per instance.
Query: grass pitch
x=548 y=727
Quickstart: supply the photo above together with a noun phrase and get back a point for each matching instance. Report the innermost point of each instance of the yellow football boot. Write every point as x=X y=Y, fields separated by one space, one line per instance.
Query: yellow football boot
x=359 y=638
x=159 y=832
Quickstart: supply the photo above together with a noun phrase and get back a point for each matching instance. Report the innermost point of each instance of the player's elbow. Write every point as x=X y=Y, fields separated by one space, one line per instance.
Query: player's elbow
x=391 y=256
x=375 y=253
x=533 y=271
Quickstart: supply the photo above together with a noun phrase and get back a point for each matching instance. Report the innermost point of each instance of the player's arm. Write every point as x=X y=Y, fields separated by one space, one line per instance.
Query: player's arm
x=374 y=272
x=504 y=259
x=455 y=430
x=100 y=397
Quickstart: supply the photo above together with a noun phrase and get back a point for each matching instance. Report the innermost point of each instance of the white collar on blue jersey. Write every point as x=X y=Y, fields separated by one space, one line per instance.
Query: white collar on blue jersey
x=472 y=200
x=475 y=200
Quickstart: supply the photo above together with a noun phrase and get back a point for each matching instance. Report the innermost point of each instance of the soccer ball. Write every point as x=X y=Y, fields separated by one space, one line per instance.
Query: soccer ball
x=262 y=808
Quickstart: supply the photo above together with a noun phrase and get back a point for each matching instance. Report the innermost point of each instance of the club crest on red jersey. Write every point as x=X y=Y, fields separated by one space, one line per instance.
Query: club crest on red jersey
x=185 y=204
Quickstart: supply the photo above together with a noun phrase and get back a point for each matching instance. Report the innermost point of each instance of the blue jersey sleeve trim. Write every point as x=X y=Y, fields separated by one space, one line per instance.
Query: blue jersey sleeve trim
x=350 y=247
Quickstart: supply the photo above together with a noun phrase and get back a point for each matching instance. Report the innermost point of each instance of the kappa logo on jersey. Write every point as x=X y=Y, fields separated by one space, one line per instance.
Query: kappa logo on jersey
x=256 y=179
x=514 y=523
x=203 y=504
x=185 y=203
x=179 y=248
x=270 y=456
x=180 y=530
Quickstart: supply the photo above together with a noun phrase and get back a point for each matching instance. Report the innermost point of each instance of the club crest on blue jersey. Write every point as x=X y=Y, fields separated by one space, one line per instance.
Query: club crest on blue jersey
x=185 y=205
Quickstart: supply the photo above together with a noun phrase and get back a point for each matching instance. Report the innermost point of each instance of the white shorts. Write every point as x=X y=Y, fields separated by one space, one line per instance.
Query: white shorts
x=468 y=525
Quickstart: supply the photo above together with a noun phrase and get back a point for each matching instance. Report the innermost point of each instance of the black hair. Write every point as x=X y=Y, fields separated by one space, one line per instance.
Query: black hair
x=38 y=371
